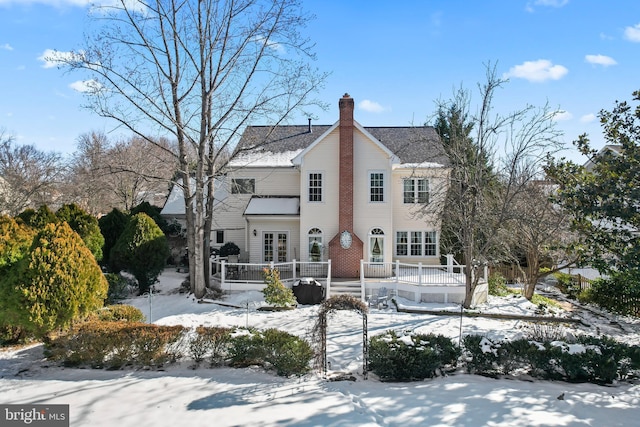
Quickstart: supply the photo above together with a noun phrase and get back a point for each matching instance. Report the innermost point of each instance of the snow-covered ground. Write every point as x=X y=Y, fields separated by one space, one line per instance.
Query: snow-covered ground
x=181 y=395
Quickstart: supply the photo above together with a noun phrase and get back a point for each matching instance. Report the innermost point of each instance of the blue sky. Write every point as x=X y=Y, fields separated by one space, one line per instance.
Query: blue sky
x=395 y=58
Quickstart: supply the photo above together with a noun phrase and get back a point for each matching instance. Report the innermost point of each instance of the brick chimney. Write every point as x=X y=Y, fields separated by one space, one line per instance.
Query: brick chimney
x=346 y=261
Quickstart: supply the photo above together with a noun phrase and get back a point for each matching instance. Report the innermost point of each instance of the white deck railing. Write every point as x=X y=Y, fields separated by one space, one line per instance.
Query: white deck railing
x=242 y=276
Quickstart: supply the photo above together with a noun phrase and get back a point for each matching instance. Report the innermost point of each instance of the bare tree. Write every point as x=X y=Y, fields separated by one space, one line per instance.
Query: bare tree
x=87 y=183
x=540 y=232
x=494 y=158
x=104 y=175
x=28 y=177
x=198 y=71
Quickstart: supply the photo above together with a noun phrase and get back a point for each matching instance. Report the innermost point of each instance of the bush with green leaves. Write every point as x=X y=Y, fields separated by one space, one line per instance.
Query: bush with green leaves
x=584 y=359
x=15 y=240
x=111 y=226
x=619 y=293
x=142 y=250
x=229 y=248
x=37 y=219
x=154 y=214
x=118 y=288
x=118 y=313
x=85 y=225
x=409 y=357
x=498 y=285
x=273 y=349
x=57 y=282
x=276 y=293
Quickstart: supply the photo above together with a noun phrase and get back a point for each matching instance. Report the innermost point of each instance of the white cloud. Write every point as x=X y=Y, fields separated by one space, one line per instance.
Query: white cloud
x=370 y=106
x=53 y=58
x=588 y=118
x=632 y=33
x=6 y=46
x=275 y=46
x=600 y=60
x=85 y=86
x=562 y=116
x=537 y=71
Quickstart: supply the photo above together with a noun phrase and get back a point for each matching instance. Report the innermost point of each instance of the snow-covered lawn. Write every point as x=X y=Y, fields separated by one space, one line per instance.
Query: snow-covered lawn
x=183 y=396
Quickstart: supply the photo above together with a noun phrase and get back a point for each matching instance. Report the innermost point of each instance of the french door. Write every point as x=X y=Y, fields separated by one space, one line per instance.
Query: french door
x=274 y=246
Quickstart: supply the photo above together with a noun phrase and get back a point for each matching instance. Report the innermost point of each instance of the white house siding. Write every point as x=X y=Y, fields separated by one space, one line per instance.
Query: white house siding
x=280 y=181
x=407 y=217
x=324 y=158
x=369 y=157
x=289 y=225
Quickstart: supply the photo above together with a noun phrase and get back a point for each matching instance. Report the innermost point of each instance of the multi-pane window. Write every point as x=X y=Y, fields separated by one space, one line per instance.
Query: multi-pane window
x=415 y=190
x=416 y=243
x=315 y=245
x=376 y=245
x=402 y=243
x=315 y=187
x=430 y=244
x=376 y=187
x=243 y=186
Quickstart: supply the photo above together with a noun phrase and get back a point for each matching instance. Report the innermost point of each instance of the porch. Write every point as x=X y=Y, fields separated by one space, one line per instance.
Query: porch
x=416 y=282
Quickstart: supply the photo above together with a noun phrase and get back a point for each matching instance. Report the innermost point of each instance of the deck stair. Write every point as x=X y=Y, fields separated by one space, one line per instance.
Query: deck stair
x=346 y=287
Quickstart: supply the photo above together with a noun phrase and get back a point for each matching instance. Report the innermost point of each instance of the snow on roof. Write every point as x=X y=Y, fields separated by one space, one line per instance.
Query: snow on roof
x=418 y=165
x=264 y=159
x=273 y=206
x=175 y=202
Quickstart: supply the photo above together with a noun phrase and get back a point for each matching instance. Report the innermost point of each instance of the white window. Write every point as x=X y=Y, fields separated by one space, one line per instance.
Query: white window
x=315 y=245
x=415 y=190
x=274 y=246
x=376 y=245
x=219 y=237
x=376 y=186
x=315 y=187
x=417 y=243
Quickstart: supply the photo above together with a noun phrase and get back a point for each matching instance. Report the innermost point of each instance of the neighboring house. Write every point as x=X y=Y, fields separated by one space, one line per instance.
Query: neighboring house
x=342 y=192
x=616 y=150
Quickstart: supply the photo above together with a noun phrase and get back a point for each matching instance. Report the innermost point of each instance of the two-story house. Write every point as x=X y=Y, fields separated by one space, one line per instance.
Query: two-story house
x=342 y=192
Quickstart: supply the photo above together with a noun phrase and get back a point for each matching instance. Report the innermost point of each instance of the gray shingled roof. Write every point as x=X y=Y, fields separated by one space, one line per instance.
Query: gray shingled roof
x=410 y=144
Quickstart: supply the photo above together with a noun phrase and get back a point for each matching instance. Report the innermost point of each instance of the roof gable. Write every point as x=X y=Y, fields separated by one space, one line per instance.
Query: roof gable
x=409 y=145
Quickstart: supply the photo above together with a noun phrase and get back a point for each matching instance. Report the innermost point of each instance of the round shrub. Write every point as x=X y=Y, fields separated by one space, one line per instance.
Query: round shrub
x=394 y=357
x=276 y=293
x=142 y=250
x=229 y=248
x=85 y=225
x=57 y=282
x=272 y=349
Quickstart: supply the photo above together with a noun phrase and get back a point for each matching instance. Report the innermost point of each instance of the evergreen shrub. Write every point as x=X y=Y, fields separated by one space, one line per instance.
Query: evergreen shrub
x=57 y=282
x=272 y=349
x=276 y=293
x=85 y=225
x=394 y=357
x=142 y=250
